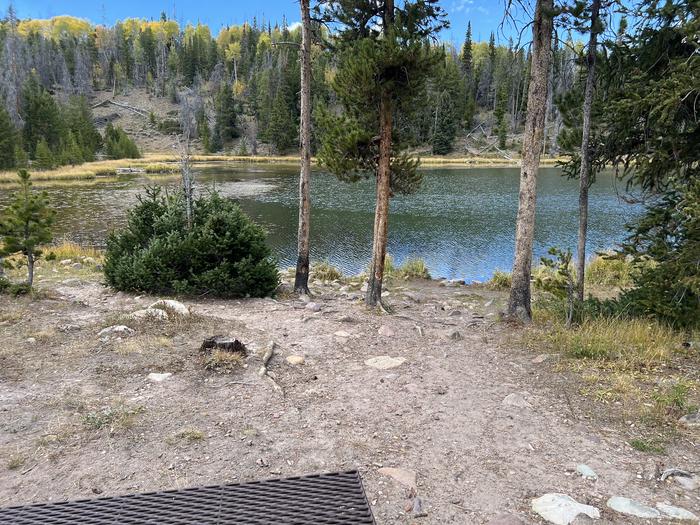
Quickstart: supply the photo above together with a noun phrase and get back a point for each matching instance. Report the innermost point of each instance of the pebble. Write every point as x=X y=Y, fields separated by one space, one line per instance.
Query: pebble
x=515 y=400
x=586 y=471
x=66 y=262
x=691 y=420
x=454 y=335
x=687 y=483
x=31 y=340
x=561 y=509
x=313 y=307
x=116 y=330
x=677 y=513
x=386 y=331
x=295 y=359
x=385 y=362
x=540 y=359
x=159 y=378
x=632 y=508
x=342 y=333
x=77 y=266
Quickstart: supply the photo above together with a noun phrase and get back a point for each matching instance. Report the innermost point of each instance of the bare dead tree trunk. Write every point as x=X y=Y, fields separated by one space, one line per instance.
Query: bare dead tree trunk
x=30 y=268
x=381 y=212
x=301 y=281
x=187 y=178
x=585 y=174
x=519 y=302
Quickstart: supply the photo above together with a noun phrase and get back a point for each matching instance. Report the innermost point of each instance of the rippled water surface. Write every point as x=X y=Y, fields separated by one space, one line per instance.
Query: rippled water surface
x=461 y=222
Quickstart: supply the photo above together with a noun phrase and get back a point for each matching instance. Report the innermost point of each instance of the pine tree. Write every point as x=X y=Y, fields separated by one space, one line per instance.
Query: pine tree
x=226 y=120
x=387 y=70
x=500 y=115
x=44 y=158
x=8 y=138
x=466 y=56
x=41 y=115
x=26 y=224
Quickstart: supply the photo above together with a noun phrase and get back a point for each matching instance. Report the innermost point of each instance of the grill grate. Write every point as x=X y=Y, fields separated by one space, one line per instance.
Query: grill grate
x=337 y=498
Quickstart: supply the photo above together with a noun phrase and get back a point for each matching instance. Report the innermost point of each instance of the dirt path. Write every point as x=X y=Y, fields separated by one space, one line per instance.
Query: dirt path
x=79 y=417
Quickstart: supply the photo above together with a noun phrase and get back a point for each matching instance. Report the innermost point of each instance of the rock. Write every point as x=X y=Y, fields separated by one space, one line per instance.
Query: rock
x=118 y=330
x=225 y=344
x=149 y=313
x=347 y=319
x=313 y=307
x=515 y=400
x=561 y=509
x=77 y=266
x=66 y=262
x=418 y=507
x=505 y=519
x=384 y=362
x=691 y=420
x=68 y=327
x=159 y=378
x=632 y=508
x=586 y=471
x=676 y=513
x=672 y=472
x=403 y=476
x=454 y=335
x=364 y=288
x=170 y=306
x=540 y=359
x=31 y=340
x=386 y=331
x=455 y=313
x=295 y=359
x=691 y=483
x=413 y=296
x=342 y=333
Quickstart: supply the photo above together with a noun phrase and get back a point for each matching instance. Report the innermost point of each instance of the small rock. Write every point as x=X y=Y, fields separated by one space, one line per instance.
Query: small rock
x=455 y=313
x=68 y=327
x=688 y=483
x=632 y=508
x=561 y=509
x=386 y=331
x=342 y=333
x=403 y=476
x=159 y=378
x=347 y=319
x=454 y=335
x=295 y=359
x=691 y=420
x=31 y=340
x=676 y=513
x=313 y=307
x=418 y=507
x=540 y=359
x=515 y=400
x=364 y=288
x=384 y=362
x=117 y=331
x=171 y=306
x=77 y=266
x=586 y=471
x=150 y=313
x=66 y=262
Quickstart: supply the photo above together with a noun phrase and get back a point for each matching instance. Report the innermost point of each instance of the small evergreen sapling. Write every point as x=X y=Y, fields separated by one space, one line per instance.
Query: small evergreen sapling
x=26 y=224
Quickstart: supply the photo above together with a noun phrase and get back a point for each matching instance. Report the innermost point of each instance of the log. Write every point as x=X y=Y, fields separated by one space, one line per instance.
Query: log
x=119 y=104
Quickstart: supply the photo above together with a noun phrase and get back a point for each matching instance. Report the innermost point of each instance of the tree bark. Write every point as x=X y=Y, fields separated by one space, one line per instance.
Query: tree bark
x=381 y=213
x=301 y=280
x=30 y=268
x=519 y=301
x=585 y=174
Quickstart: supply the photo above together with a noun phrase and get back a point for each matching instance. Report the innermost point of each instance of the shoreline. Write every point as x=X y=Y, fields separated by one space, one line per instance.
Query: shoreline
x=168 y=164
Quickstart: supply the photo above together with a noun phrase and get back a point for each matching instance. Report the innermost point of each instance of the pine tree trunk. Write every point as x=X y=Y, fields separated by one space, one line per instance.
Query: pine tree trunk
x=585 y=174
x=30 y=268
x=533 y=139
x=381 y=213
x=301 y=281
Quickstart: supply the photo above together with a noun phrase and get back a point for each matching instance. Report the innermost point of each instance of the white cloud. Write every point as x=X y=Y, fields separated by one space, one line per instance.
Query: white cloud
x=294 y=25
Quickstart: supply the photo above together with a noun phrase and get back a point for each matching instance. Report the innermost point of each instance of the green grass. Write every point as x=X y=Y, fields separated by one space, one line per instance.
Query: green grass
x=648 y=446
x=414 y=268
x=500 y=280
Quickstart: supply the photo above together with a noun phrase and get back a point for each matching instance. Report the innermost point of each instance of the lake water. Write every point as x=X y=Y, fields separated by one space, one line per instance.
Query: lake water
x=462 y=221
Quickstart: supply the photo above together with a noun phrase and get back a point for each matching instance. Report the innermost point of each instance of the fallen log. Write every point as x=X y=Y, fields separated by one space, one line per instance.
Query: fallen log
x=119 y=104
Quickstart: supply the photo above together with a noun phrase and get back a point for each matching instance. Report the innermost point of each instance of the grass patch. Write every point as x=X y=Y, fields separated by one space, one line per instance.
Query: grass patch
x=71 y=250
x=414 y=268
x=16 y=461
x=325 y=271
x=500 y=280
x=609 y=270
x=116 y=418
x=649 y=446
x=223 y=361
x=190 y=435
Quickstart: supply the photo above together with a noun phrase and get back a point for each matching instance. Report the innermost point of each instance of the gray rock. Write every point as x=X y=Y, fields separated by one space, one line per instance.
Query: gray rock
x=347 y=319
x=313 y=307
x=690 y=483
x=586 y=471
x=454 y=335
x=66 y=262
x=364 y=287
x=540 y=359
x=342 y=334
x=386 y=331
x=515 y=400
x=30 y=340
x=632 y=508
x=403 y=476
x=175 y=307
x=115 y=331
x=691 y=420
x=159 y=378
x=77 y=266
x=561 y=509
x=385 y=362
x=455 y=313
x=295 y=359
x=676 y=513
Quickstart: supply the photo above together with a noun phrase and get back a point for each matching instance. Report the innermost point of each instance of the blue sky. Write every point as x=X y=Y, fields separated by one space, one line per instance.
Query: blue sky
x=485 y=15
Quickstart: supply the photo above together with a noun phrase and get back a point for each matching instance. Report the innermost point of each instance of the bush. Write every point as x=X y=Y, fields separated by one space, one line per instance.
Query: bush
x=500 y=280
x=118 y=145
x=325 y=271
x=414 y=269
x=223 y=254
x=609 y=270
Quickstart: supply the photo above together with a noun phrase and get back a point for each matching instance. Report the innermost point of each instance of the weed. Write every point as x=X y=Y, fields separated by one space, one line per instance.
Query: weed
x=413 y=269
x=223 y=362
x=325 y=271
x=191 y=435
x=116 y=418
x=609 y=270
x=16 y=461
x=648 y=445
x=500 y=280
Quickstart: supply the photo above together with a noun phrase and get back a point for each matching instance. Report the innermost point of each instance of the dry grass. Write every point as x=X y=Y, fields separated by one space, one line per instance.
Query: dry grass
x=115 y=418
x=414 y=268
x=223 y=362
x=325 y=271
x=71 y=250
x=190 y=435
x=606 y=270
x=500 y=280
x=16 y=461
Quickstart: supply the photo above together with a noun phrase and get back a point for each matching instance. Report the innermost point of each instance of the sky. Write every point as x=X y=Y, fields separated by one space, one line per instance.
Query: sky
x=485 y=16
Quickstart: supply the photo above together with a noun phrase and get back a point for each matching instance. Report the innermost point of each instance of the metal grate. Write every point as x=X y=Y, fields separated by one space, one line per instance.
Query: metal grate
x=321 y=499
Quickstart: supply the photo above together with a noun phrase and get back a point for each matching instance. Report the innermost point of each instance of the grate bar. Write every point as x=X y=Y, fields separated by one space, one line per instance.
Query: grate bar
x=323 y=499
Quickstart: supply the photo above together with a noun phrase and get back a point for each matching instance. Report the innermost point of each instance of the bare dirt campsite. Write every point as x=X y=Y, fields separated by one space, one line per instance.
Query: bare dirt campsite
x=450 y=415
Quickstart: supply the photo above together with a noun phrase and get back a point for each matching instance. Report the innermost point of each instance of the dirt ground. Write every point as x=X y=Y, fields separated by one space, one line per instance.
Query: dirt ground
x=79 y=416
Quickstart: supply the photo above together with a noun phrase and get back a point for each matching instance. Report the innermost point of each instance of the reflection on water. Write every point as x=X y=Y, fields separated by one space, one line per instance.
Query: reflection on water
x=461 y=222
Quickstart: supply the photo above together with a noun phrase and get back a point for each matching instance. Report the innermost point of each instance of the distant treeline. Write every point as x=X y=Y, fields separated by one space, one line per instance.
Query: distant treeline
x=250 y=73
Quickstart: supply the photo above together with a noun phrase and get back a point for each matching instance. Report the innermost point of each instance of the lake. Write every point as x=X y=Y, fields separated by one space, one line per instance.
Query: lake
x=461 y=222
